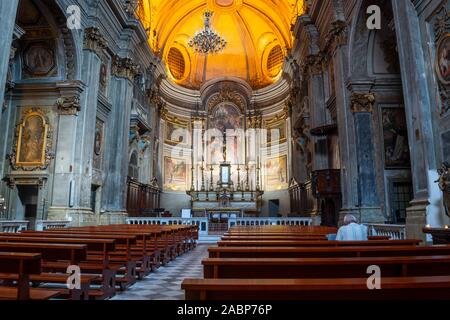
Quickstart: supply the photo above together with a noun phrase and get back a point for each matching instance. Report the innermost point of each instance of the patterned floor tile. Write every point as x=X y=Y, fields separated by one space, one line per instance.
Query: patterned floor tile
x=165 y=283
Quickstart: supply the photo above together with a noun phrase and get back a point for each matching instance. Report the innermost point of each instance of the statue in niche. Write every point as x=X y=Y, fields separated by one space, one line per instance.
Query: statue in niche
x=444 y=185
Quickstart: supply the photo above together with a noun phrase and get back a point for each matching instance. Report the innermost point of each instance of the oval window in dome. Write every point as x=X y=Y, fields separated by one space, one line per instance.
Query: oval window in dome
x=177 y=65
x=275 y=61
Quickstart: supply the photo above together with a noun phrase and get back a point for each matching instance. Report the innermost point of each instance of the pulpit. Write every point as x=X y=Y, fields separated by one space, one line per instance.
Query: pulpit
x=327 y=190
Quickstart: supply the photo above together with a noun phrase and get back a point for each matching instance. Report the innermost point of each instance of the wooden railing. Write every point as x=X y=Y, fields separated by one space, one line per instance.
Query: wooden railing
x=202 y=223
x=394 y=231
x=42 y=225
x=141 y=198
x=269 y=221
x=13 y=226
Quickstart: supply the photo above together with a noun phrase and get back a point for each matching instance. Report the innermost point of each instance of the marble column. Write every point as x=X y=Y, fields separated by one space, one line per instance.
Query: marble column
x=346 y=128
x=8 y=11
x=76 y=132
x=123 y=71
x=68 y=106
x=419 y=113
x=361 y=105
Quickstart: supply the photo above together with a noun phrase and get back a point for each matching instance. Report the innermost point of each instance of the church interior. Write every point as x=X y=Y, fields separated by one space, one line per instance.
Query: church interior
x=225 y=139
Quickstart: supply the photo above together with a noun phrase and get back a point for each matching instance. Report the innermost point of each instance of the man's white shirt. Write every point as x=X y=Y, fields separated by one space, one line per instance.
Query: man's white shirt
x=352 y=232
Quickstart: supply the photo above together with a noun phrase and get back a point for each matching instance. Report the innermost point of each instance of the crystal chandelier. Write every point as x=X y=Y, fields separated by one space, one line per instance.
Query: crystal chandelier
x=207 y=41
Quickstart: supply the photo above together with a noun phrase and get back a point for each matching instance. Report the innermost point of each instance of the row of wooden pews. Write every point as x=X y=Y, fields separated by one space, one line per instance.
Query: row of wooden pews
x=297 y=263
x=110 y=258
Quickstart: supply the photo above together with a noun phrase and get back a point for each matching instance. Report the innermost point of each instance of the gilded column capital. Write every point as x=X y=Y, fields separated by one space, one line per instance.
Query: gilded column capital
x=124 y=67
x=362 y=102
x=68 y=105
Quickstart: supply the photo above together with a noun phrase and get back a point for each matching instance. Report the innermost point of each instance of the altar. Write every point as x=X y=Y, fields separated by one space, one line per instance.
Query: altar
x=219 y=207
x=227 y=189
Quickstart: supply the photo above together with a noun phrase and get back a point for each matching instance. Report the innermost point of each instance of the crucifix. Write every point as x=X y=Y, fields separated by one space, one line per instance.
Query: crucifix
x=224 y=148
x=225 y=169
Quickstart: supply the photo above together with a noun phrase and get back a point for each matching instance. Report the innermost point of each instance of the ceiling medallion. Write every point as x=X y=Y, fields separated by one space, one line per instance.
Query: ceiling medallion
x=225 y=3
x=207 y=41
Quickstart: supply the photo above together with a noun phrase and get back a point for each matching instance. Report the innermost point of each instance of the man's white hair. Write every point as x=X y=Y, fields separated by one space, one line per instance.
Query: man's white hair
x=349 y=218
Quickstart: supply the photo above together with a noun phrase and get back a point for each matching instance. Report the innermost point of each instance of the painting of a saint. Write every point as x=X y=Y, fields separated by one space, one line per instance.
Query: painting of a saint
x=31 y=143
x=443 y=60
x=175 y=174
x=276 y=173
x=396 y=147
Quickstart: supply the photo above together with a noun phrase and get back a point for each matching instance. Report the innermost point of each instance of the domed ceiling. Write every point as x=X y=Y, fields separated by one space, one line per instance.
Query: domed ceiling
x=258 y=35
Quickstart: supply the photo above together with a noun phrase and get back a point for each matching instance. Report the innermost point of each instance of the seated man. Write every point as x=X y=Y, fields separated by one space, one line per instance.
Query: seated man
x=351 y=230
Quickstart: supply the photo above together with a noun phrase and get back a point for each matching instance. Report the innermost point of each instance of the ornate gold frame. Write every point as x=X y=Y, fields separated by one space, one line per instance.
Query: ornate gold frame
x=441 y=41
x=43 y=163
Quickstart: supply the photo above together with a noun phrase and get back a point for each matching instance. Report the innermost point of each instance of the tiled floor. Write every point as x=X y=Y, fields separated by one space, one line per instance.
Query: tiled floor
x=165 y=283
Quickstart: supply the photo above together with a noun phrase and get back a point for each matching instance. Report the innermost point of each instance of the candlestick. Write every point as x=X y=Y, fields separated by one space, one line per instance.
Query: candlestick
x=192 y=173
x=203 y=177
x=258 y=168
x=211 y=186
x=247 y=187
x=239 y=178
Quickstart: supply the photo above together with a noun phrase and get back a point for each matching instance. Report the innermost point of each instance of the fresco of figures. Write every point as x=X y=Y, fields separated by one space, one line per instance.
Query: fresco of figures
x=175 y=174
x=276 y=173
x=276 y=133
x=226 y=117
x=176 y=134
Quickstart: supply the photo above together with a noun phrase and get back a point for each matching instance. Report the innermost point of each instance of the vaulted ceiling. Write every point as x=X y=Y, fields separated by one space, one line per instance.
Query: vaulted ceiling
x=258 y=35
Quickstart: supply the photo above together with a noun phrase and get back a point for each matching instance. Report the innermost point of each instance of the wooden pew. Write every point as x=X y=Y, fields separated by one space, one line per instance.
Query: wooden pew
x=23 y=265
x=149 y=244
x=173 y=240
x=107 y=248
x=137 y=248
x=299 y=268
x=160 y=250
x=99 y=247
x=293 y=243
x=318 y=252
x=280 y=230
x=263 y=237
x=123 y=264
x=406 y=288
x=74 y=253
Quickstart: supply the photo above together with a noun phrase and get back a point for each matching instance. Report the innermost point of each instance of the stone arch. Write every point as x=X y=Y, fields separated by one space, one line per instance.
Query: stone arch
x=365 y=45
x=58 y=48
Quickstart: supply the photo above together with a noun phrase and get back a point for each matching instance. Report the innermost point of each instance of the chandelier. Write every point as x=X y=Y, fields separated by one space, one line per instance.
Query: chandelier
x=207 y=41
